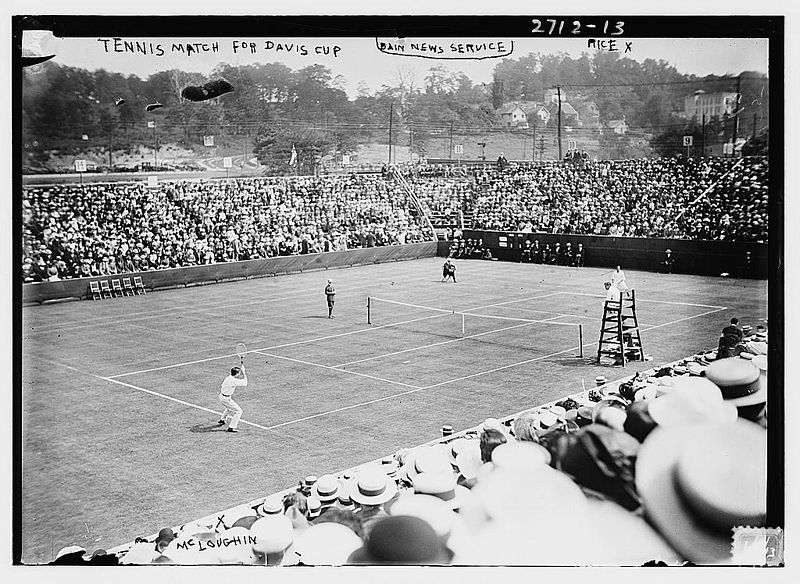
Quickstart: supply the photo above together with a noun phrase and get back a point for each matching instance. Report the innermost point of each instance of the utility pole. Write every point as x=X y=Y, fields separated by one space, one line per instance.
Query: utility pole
x=703 y=139
x=391 y=115
x=560 y=156
x=533 y=144
x=450 y=156
x=155 y=148
x=754 y=125
x=736 y=106
x=111 y=148
x=541 y=148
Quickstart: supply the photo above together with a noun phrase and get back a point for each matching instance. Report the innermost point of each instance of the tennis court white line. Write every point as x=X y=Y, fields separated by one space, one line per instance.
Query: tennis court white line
x=335 y=369
x=385 y=398
x=548 y=312
x=564 y=315
x=345 y=408
x=145 y=315
x=445 y=342
x=214 y=304
x=205 y=360
x=151 y=392
x=564 y=351
x=295 y=343
x=512 y=301
x=648 y=300
x=176 y=400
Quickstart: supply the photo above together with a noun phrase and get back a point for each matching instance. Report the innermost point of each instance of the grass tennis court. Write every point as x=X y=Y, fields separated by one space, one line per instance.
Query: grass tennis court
x=120 y=396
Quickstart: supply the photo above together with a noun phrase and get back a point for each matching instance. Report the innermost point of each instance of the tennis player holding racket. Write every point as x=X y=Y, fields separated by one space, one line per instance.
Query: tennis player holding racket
x=238 y=378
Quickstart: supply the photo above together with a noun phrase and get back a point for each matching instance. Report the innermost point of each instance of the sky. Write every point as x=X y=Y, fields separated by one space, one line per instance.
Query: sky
x=359 y=60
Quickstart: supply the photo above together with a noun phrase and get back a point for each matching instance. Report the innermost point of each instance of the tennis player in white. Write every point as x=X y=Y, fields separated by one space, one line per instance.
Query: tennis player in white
x=237 y=378
x=618 y=280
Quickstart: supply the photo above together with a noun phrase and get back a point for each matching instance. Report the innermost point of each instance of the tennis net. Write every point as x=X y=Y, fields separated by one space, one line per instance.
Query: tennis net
x=509 y=331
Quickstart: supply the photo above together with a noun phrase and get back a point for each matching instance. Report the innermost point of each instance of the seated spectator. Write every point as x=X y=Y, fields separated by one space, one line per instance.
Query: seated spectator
x=731 y=336
x=612 y=292
x=122 y=227
x=371 y=488
x=402 y=540
x=490 y=439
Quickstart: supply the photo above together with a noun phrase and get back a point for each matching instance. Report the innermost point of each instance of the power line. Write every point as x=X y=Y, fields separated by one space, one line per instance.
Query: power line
x=650 y=83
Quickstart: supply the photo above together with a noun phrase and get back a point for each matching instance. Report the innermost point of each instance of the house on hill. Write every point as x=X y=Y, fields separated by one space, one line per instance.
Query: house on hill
x=569 y=115
x=513 y=116
x=618 y=126
x=543 y=114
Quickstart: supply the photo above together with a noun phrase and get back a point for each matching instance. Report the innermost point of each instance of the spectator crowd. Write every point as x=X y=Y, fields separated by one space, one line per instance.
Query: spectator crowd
x=72 y=231
x=664 y=197
x=656 y=469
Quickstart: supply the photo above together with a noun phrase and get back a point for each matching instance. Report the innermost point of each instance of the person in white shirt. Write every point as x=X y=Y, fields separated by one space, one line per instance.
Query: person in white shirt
x=232 y=413
x=612 y=292
x=618 y=280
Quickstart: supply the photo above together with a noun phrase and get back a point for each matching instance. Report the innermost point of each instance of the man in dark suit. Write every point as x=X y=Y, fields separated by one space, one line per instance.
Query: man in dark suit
x=731 y=336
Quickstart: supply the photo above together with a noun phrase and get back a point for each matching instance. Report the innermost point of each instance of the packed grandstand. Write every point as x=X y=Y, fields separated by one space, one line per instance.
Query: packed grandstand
x=451 y=501
x=90 y=230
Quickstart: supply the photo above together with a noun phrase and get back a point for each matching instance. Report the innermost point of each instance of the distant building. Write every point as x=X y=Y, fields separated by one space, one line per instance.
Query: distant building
x=543 y=114
x=618 y=126
x=513 y=116
x=709 y=104
x=569 y=115
x=551 y=96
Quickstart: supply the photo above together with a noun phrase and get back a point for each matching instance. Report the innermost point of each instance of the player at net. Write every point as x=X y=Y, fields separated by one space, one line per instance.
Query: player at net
x=510 y=329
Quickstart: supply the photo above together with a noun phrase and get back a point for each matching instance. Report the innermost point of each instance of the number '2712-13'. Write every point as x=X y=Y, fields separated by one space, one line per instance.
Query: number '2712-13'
x=554 y=26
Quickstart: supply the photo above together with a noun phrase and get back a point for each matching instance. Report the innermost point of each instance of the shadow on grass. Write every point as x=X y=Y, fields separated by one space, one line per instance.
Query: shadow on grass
x=204 y=428
x=315 y=316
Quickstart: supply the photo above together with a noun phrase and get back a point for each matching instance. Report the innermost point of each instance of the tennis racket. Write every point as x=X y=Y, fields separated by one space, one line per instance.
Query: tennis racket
x=241 y=349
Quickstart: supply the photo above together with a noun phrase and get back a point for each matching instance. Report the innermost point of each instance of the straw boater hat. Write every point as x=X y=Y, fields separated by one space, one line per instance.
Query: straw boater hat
x=232 y=553
x=271 y=506
x=443 y=486
x=326 y=544
x=273 y=534
x=698 y=483
x=314 y=507
x=326 y=489
x=469 y=460
x=520 y=456
x=518 y=495
x=611 y=401
x=456 y=446
x=371 y=486
x=426 y=459
x=692 y=400
x=433 y=510
x=739 y=380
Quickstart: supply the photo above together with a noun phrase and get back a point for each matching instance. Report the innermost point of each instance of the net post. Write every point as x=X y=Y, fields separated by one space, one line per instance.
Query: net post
x=580 y=339
x=369 y=310
x=463 y=325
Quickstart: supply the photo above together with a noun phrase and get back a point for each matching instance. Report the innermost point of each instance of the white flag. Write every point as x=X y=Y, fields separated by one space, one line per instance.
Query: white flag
x=294 y=157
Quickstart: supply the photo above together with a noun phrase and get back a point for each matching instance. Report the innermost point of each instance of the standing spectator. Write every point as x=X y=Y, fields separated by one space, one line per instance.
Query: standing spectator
x=330 y=295
x=502 y=162
x=580 y=256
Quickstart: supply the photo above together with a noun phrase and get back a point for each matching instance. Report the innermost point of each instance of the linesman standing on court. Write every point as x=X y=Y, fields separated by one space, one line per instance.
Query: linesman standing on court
x=448 y=270
x=232 y=413
x=330 y=294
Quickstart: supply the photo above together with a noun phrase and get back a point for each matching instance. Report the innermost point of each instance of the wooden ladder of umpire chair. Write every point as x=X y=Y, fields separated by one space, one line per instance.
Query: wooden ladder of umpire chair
x=619 y=331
